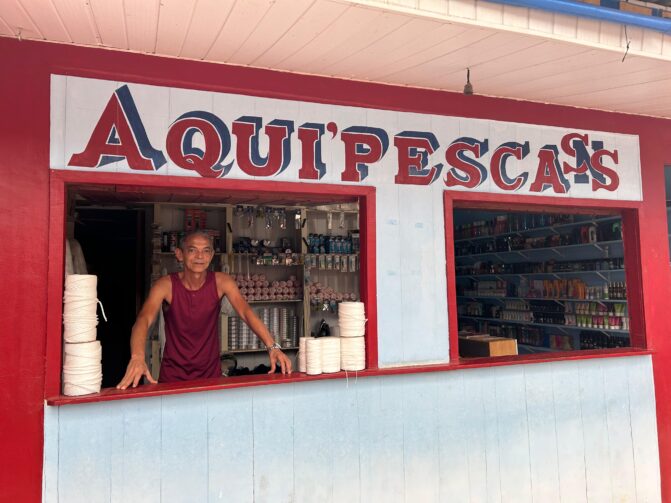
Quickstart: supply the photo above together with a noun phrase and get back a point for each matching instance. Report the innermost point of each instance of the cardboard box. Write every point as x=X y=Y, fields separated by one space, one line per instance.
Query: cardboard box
x=486 y=345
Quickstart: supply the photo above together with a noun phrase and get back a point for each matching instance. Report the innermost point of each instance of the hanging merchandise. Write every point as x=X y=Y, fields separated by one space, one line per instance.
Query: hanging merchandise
x=251 y=216
x=269 y=218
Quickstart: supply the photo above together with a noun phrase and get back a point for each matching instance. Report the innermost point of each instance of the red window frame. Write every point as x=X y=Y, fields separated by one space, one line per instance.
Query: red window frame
x=506 y=202
x=61 y=181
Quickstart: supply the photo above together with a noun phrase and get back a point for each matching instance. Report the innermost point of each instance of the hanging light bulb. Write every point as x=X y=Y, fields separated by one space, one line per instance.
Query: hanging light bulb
x=468 y=88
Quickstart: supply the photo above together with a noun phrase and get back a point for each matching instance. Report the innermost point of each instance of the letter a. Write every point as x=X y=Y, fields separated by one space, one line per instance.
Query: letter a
x=119 y=134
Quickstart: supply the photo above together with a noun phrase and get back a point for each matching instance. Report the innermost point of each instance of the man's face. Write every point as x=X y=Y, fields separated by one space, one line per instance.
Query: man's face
x=196 y=255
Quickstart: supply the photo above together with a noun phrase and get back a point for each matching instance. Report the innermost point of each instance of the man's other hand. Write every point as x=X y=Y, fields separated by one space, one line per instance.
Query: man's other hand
x=277 y=356
x=136 y=369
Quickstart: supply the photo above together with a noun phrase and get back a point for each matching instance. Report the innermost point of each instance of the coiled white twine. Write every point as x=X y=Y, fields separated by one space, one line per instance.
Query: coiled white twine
x=82 y=368
x=330 y=354
x=352 y=323
x=302 y=354
x=313 y=353
x=352 y=353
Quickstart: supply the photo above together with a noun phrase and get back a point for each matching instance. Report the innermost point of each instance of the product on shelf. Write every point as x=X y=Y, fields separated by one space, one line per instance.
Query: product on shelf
x=541 y=279
x=281 y=321
x=256 y=287
x=326 y=298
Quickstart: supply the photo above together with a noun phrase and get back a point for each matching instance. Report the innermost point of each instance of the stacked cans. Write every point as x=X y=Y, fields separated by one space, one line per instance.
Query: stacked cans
x=281 y=322
x=233 y=333
x=352 y=323
x=82 y=367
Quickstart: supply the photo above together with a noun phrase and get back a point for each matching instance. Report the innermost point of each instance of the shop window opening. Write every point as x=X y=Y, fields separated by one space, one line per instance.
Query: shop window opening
x=294 y=260
x=533 y=282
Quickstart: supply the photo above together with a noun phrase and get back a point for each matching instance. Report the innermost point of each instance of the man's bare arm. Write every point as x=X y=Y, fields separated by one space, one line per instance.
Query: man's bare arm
x=137 y=367
x=226 y=285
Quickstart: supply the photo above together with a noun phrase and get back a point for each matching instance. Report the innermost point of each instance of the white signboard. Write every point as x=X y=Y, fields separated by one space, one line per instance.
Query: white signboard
x=99 y=125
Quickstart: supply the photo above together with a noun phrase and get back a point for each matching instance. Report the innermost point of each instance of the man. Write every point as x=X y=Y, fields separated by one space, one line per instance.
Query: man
x=191 y=303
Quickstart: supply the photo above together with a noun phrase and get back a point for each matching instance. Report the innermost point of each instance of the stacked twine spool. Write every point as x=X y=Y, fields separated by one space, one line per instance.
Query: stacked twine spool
x=331 y=354
x=82 y=368
x=352 y=323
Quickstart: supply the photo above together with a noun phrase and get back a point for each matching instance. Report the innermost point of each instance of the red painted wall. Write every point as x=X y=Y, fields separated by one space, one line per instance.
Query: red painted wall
x=24 y=209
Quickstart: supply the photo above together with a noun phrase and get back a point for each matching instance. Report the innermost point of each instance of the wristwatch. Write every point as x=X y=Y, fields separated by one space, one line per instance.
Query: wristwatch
x=273 y=346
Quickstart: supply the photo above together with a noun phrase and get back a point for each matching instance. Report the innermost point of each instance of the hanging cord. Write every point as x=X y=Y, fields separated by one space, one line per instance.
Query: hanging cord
x=626 y=37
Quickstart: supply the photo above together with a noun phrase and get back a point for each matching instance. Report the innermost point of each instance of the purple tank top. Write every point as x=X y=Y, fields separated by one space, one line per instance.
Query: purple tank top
x=191 y=336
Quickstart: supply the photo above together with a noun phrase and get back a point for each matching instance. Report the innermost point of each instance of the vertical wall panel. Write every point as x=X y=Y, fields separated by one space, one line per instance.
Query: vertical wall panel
x=513 y=427
x=230 y=446
x=84 y=444
x=50 y=455
x=421 y=341
x=183 y=455
x=345 y=438
x=595 y=433
x=273 y=432
x=420 y=457
x=141 y=440
x=474 y=431
x=542 y=434
x=568 y=424
x=643 y=428
x=313 y=444
x=380 y=440
x=492 y=449
x=621 y=453
x=389 y=290
x=453 y=447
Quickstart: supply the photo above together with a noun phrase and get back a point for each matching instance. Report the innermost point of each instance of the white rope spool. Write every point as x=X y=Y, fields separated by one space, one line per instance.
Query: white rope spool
x=82 y=368
x=352 y=353
x=313 y=349
x=77 y=282
x=351 y=319
x=302 y=354
x=80 y=308
x=330 y=354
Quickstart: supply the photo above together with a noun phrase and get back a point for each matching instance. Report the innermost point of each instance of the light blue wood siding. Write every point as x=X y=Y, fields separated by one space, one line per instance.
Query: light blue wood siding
x=563 y=431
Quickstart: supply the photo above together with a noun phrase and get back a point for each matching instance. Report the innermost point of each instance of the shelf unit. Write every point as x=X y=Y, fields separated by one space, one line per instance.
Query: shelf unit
x=584 y=268
x=239 y=229
x=344 y=223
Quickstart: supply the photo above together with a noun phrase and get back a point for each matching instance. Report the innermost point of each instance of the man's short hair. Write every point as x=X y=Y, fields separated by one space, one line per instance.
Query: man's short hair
x=191 y=234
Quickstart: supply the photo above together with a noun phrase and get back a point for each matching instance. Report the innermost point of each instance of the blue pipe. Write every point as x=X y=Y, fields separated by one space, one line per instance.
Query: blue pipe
x=594 y=12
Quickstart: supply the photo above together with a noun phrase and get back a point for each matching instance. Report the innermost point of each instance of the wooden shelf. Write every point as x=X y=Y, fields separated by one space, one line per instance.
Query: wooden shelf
x=552 y=325
x=558 y=273
x=236 y=351
x=612 y=301
x=547 y=228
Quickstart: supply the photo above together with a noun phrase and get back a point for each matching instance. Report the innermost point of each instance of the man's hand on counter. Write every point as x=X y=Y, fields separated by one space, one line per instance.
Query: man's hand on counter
x=136 y=369
x=278 y=357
